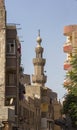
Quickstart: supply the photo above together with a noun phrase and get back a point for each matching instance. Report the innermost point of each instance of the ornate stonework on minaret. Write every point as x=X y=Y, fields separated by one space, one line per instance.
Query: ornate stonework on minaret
x=39 y=78
x=2 y=52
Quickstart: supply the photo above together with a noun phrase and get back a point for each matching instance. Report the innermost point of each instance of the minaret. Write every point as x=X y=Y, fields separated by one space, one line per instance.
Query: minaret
x=2 y=52
x=39 y=78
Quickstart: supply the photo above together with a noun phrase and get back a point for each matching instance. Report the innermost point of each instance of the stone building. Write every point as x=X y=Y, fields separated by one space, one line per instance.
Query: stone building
x=10 y=60
x=23 y=105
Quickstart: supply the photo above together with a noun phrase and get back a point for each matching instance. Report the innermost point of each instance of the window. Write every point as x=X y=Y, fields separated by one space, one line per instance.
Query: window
x=10 y=47
x=11 y=78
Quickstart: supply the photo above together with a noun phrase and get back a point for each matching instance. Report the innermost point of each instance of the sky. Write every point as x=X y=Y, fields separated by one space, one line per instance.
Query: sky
x=50 y=16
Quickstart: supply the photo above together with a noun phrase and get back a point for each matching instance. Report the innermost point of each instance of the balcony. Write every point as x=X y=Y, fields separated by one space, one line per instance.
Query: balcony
x=39 y=78
x=11 y=63
x=39 y=61
x=67 y=48
x=67 y=65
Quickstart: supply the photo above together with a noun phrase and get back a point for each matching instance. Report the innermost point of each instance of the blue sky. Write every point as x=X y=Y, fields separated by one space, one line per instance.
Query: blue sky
x=50 y=16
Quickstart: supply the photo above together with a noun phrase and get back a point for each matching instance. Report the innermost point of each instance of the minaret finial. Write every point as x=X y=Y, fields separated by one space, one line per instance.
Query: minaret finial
x=39 y=40
x=39 y=32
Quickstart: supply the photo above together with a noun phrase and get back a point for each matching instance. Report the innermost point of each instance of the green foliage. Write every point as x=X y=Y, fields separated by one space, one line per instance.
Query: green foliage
x=70 y=103
x=70 y=108
x=72 y=76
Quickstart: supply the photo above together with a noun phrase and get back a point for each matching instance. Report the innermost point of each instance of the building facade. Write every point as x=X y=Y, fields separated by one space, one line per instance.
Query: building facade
x=70 y=47
x=10 y=59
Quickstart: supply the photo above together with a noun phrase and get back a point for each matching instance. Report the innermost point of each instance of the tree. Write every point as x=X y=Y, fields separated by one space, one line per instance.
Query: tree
x=70 y=108
x=71 y=75
x=70 y=103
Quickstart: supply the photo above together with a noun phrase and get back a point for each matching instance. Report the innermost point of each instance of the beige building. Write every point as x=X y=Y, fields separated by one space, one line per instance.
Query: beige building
x=10 y=59
x=70 y=47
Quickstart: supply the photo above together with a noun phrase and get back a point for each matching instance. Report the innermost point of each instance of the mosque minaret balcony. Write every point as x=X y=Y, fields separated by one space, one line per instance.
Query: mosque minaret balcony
x=39 y=61
x=39 y=78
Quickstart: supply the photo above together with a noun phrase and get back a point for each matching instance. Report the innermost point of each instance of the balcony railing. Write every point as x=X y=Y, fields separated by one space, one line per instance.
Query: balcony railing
x=67 y=48
x=67 y=65
x=39 y=61
x=39 y=79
